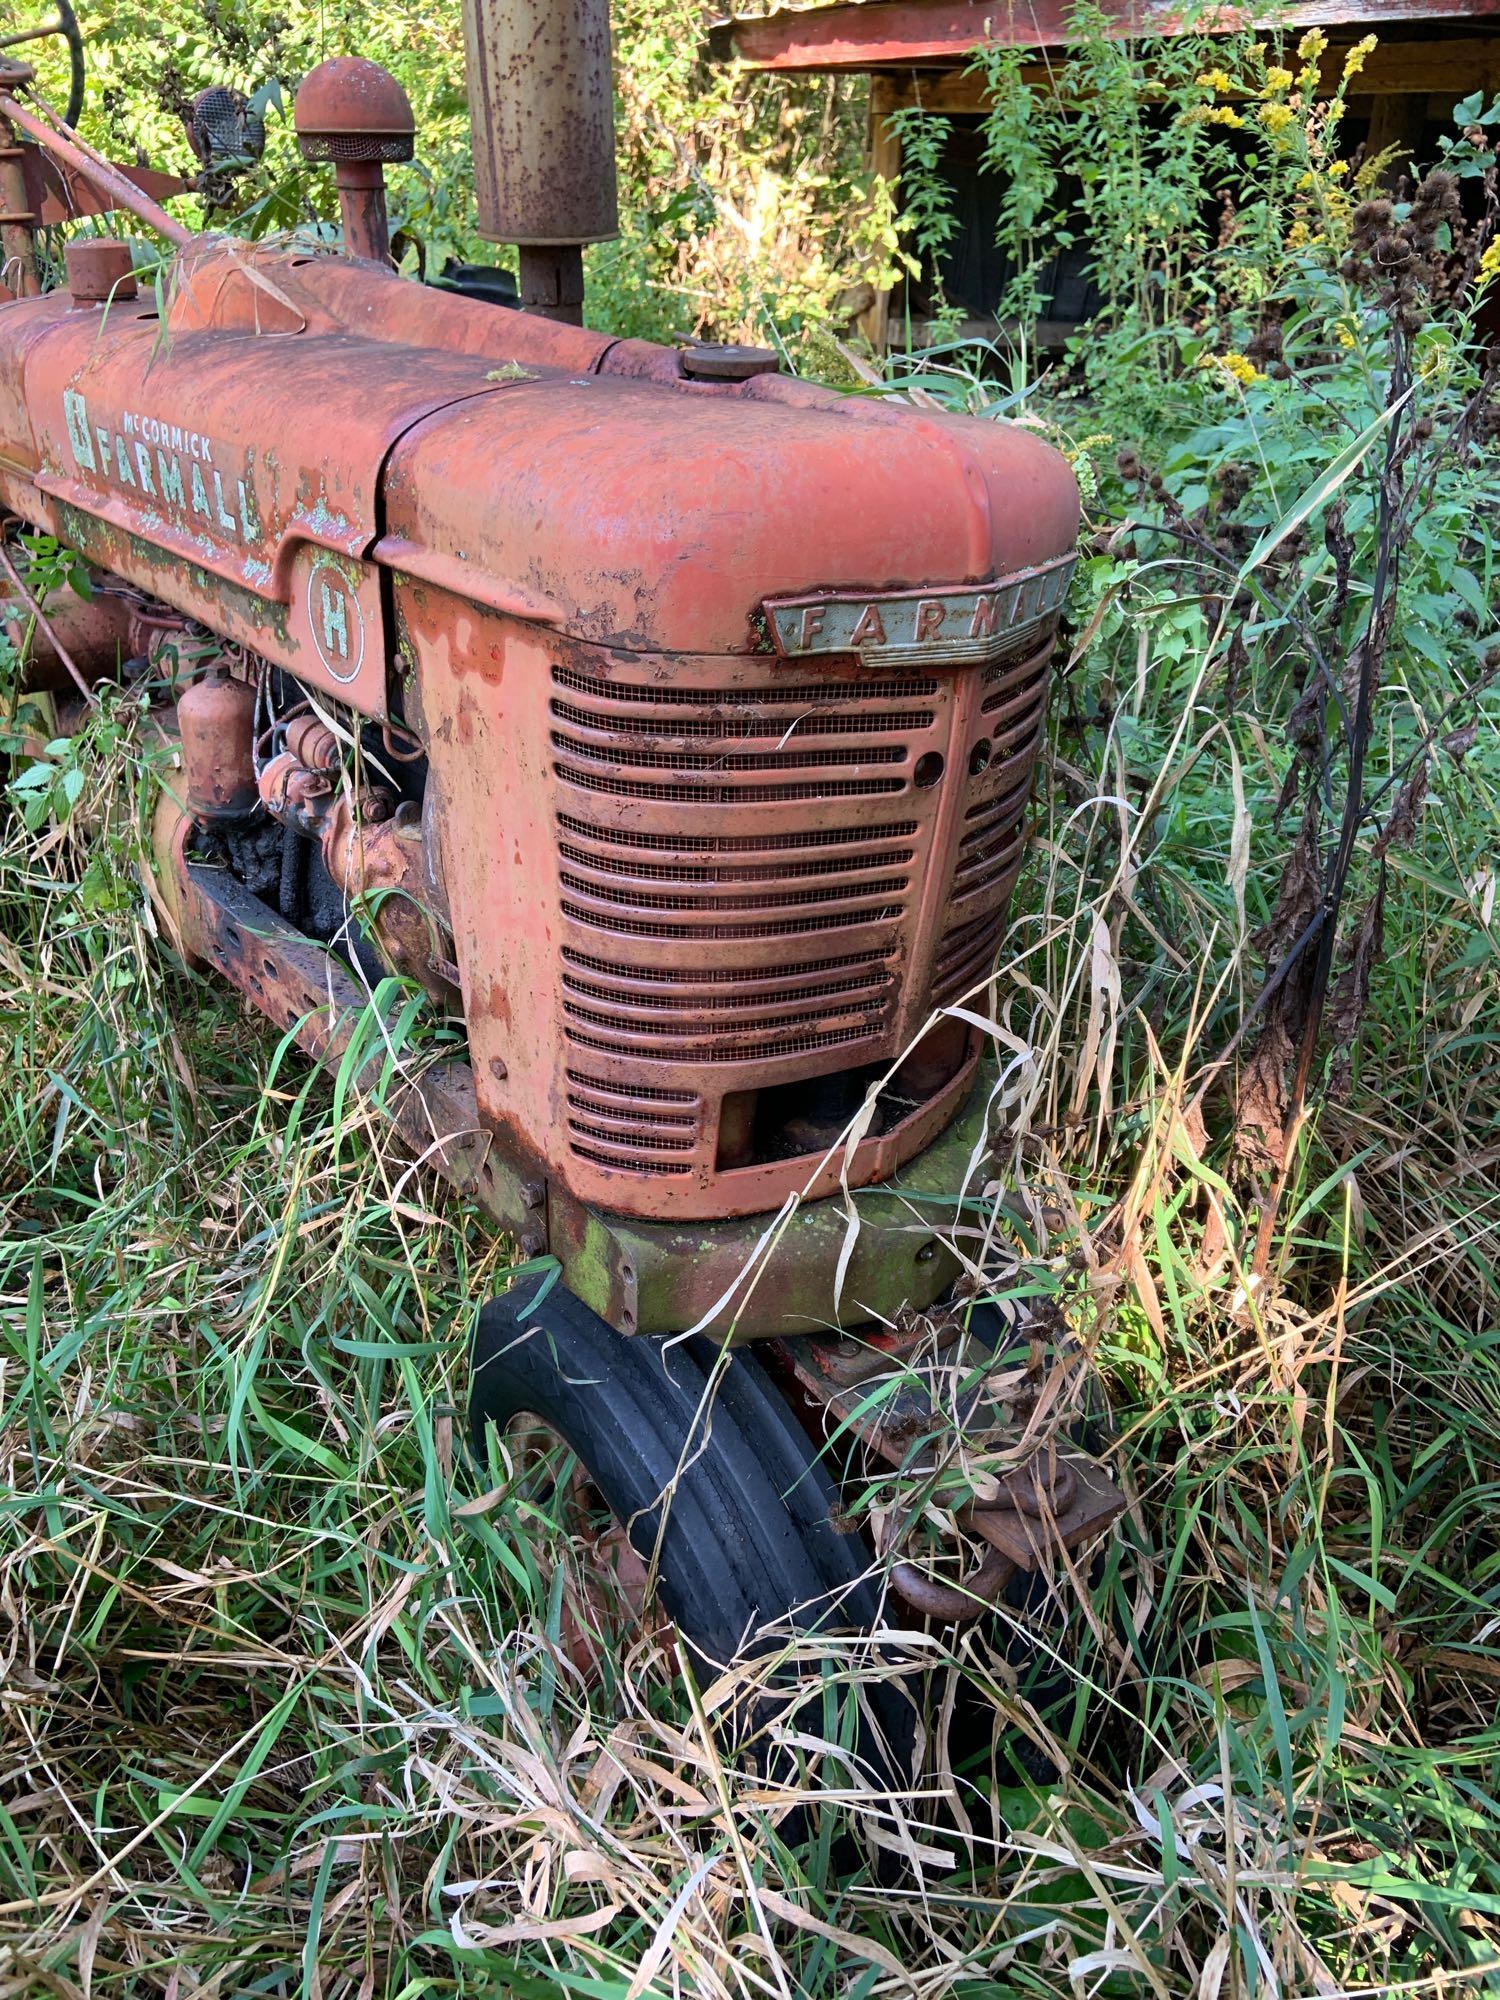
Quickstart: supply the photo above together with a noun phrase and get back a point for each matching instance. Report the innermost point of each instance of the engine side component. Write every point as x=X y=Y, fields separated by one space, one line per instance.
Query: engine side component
x=216 y=723
x=379 y=866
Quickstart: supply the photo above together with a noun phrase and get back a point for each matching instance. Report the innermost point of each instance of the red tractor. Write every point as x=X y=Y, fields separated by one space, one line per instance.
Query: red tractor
x=669 y=720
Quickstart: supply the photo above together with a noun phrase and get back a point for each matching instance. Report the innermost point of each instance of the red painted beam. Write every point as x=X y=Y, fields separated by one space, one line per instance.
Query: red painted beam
x=65 y=193
x=895 y=33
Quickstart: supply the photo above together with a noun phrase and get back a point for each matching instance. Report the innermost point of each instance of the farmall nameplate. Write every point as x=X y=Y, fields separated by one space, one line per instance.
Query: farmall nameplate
x=941 y=626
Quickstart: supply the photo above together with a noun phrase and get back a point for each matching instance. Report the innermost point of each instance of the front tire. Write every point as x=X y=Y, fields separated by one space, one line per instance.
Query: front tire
x=719 y=1492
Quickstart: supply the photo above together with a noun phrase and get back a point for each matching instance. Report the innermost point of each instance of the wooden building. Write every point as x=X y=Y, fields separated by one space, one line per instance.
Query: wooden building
x=1430 y=55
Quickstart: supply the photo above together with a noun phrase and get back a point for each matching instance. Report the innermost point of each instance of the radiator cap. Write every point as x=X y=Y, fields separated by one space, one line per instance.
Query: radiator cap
x=717 y=361
x=99 y=270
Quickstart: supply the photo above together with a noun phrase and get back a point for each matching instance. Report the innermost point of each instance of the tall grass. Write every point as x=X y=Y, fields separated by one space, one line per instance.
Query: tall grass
x=286 y=1699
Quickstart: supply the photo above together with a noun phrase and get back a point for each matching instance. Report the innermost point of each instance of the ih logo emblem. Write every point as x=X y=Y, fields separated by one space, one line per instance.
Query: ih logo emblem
x=337 y=622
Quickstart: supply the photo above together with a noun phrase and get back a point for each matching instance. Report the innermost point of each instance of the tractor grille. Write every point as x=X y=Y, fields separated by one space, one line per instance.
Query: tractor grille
x=750 y=875
x=635 y=1010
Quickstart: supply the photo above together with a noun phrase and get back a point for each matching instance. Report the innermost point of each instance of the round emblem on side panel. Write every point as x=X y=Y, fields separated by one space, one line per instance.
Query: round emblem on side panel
x=335 y=619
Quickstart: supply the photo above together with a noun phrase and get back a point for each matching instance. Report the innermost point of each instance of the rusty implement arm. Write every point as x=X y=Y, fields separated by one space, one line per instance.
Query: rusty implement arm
x=78 y=160
x=65 y=194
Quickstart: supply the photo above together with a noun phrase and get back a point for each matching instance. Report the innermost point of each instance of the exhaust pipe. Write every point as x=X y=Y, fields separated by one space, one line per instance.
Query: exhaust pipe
x=541 y=104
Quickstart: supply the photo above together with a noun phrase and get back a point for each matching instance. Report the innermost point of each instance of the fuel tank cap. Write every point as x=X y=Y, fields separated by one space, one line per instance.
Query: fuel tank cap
x=100 y=271
x=719 y=361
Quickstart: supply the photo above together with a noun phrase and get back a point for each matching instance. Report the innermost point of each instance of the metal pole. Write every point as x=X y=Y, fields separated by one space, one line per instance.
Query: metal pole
x=361 y=191
x=18 y=265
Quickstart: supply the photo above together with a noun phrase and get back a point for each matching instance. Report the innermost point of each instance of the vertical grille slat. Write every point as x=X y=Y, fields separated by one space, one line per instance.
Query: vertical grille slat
x=786 y=901
x=992 y=824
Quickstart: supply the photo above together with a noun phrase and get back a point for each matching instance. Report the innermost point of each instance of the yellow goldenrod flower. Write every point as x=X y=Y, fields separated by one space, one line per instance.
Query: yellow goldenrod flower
x=1237 y=368
x=1223 y=114
x=1338 y=170
x=1277 y=79
x=1312 y=45
x=1345 y=334
x=1219 y=80
x=1296 y=236
x=1354 y=62
x=1489 y=263
x=1276 y=117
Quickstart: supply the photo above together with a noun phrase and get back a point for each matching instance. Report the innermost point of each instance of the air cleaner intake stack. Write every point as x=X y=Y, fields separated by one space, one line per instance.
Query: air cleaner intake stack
x=541 y=107
x=354 y=113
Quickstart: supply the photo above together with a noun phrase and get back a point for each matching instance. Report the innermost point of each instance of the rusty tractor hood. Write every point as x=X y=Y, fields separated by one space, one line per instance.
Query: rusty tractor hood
x=286 y=403
x=658 y=515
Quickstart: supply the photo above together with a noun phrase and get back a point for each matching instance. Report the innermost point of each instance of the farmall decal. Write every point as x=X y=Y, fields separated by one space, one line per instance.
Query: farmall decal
x=947 y=627
x=167 y=467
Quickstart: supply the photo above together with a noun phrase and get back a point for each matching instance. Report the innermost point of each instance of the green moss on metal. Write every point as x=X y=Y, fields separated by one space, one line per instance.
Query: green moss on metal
x=677 y=1276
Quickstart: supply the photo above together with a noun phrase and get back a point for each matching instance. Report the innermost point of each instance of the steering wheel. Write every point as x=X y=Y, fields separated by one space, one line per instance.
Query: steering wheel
x=65 y=23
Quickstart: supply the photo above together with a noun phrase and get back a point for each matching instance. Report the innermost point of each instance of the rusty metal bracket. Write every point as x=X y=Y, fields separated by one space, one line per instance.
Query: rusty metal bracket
x=1054 y=1502
x=657 y=1277
x=1060 y=1499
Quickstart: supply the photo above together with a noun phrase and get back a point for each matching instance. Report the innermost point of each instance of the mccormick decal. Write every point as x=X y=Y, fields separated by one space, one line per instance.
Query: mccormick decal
x=946 y=627
x=166 y=467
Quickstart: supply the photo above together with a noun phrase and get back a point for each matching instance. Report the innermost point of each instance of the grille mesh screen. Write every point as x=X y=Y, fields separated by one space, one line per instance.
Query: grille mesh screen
x=734 y=892
x=992 y=838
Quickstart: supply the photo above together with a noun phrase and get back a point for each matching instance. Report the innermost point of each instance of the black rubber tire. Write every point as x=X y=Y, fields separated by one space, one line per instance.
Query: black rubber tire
x=763 y=1416
x=749 y=1547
